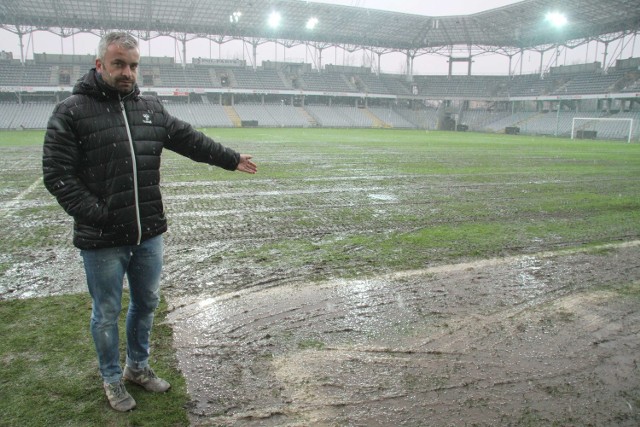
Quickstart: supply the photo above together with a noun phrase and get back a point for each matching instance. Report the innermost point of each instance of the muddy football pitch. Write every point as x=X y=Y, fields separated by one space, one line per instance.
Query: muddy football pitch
x=380 y=277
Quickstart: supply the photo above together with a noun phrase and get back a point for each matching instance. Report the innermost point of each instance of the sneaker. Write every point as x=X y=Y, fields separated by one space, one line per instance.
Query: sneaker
x=118 y=397
x=146 y=378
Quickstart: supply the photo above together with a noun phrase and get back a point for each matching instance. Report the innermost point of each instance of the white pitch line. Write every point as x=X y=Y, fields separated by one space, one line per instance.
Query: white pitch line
x=11 y=204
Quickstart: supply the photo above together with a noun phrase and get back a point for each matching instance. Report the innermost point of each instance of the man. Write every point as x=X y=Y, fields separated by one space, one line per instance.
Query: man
x=101 y=161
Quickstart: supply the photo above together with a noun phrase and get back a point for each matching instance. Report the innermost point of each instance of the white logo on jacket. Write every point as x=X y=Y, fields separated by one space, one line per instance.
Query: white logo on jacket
x=146 y=118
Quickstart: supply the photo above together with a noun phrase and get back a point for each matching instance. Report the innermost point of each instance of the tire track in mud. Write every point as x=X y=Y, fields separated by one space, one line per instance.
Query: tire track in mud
x=545 y=338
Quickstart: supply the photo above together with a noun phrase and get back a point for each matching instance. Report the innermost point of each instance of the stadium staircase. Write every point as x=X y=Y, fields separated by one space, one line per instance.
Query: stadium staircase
x=313 y=122
x=377 y=123
x=233 y=116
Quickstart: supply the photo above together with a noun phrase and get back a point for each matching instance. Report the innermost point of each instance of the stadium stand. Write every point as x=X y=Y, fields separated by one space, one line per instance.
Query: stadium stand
x=589 y=83
x=326 y=82
x=527 y=85
x=370 y=83
x=426 y=118
x=227 y=92
x=391 y=118
x=201 y=115
x=25 y=116
x=398 y=86
x=479 y=120
x=509 y=120
x=467 y=87
x=329 y=116
x=331 y=98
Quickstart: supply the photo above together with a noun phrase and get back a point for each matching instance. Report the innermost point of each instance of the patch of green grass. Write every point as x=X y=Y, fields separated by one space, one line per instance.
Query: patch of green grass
x=21 y=138
x=559 y=390
x=530 y=417
x=49 y=375
x=630 y=290
x=311 y=343
x=355 y=254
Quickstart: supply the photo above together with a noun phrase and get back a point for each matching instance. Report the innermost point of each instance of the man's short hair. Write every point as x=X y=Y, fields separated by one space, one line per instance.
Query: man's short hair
x=121 y=39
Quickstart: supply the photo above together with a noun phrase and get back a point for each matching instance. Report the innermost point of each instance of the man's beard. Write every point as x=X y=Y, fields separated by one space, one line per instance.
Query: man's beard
x=115 y=83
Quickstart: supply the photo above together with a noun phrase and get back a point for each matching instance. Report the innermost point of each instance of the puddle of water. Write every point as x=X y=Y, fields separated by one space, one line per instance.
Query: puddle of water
x=384 y=197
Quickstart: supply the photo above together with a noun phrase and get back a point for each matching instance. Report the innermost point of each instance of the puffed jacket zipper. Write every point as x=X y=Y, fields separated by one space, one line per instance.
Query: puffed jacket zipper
x=135 y=172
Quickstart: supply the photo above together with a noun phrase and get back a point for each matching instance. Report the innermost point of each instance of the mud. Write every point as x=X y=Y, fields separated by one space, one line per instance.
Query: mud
x=548 y=338
x=545 y=339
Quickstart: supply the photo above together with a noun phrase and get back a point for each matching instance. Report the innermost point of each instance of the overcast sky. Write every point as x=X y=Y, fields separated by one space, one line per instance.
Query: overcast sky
x=81 y=44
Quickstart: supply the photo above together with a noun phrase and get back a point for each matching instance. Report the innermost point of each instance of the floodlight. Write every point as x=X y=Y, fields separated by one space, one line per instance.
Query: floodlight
x=311 y=23
x=274 y=19
x=235 y=17
x=556 y=19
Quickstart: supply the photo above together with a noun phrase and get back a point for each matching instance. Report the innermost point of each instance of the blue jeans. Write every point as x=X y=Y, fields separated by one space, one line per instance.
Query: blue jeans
x=105 y=269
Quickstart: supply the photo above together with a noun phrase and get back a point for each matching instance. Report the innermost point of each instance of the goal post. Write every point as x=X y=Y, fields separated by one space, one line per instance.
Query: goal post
x=589 y=127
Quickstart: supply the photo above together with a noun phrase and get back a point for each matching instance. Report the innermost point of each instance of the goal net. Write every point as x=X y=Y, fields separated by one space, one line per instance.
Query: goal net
x=601 y=128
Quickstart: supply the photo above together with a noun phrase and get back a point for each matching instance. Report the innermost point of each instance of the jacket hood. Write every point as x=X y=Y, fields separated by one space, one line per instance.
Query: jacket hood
x=91 y=84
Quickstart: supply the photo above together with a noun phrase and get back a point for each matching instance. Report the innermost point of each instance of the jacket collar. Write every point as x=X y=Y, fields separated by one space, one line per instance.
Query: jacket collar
x=92 y=84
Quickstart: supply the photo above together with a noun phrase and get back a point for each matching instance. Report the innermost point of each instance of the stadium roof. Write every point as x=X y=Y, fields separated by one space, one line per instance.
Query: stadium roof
x=521 y=25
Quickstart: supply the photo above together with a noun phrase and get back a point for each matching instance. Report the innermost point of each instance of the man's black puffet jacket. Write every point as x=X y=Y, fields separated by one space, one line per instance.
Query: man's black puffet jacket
x=101 y=160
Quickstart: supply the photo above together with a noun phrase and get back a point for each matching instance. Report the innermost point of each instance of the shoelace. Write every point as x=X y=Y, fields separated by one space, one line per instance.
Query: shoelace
x=145 y=374
x=119 y=390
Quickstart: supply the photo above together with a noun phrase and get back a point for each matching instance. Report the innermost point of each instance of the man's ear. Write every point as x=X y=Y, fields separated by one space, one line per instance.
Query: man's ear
x=98 y=65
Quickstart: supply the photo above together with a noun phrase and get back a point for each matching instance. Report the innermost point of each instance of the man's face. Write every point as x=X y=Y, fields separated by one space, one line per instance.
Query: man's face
x=119 y=68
